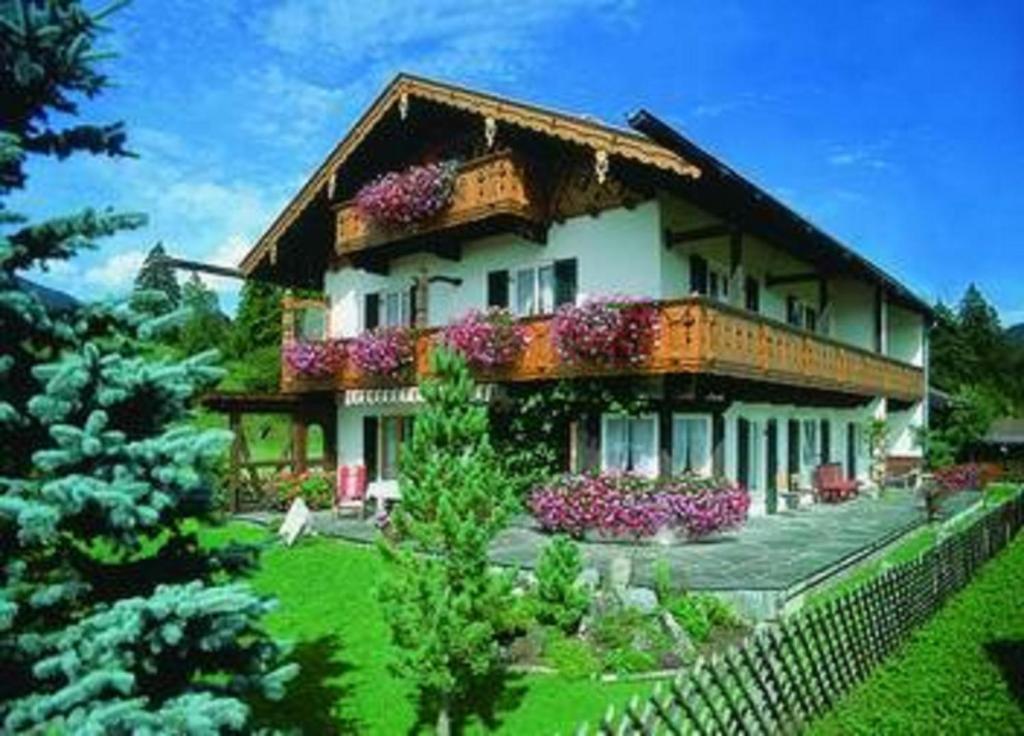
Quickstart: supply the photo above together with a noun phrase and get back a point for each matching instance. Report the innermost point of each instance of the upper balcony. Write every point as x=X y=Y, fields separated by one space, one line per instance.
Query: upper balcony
x=490 y=192
x=695 y=335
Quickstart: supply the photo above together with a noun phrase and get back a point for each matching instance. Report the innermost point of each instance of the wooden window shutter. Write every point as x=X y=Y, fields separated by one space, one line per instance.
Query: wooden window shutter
x=793 y=454
x=412 y=305
x=371 y=311
x=370 y=425
x=698 y=275
x=753 y=289
x=826 y=440
x=590 y=447
x=565 y=281
x=497 y=289
x=718 y=445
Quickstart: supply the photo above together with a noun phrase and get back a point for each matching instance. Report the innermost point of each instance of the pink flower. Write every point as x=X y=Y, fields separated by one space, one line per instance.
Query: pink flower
x=314 y=358
x=413 y=195
x=606 y=330
x=486 y=339
x=385 y=351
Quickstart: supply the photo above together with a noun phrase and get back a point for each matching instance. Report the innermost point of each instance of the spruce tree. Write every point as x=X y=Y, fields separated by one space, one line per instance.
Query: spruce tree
x=441 y=596
x=205 y=326
x=156 y=274
x=113 y=619
x=258 y=319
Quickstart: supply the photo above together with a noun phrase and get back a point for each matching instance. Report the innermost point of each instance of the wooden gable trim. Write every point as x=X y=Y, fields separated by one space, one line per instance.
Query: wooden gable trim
x=404 y=88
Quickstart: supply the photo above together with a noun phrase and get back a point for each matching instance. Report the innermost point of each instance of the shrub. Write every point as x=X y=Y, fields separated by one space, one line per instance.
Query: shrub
x=315 y=487
x=314 y=358
x=700 y=613
x=385 y=351
x=563 y=601
x=486 y=339
x=628 y=505
x=629 y=640
x=606 y=331
x=405 y=197
x=573 y=658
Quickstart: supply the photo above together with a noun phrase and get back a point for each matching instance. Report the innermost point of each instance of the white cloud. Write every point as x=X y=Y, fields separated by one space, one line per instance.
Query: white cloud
x=867 y=156
x=117 y=272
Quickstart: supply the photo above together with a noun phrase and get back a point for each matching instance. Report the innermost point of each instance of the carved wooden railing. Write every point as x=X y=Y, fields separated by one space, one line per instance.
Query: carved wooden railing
x=696 y=335
x=495 y=184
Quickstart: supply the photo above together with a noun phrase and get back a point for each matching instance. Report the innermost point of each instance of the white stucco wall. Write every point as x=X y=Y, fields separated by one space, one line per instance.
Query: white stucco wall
x=617 y=252
x=853 y=312
x=905 y=335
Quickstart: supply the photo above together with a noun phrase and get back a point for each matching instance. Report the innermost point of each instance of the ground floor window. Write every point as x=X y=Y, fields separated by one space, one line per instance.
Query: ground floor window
x=629 y=444
x=809 y=447
x=691 y=444
x=383 y=439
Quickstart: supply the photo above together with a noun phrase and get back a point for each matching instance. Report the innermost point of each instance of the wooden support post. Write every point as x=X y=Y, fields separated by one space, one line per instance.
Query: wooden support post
x=300 y=434
x=329 y=425
x=235 y=461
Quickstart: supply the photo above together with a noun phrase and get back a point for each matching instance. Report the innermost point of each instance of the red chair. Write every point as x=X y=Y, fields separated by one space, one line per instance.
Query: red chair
x=831 y=486
x=350 y=491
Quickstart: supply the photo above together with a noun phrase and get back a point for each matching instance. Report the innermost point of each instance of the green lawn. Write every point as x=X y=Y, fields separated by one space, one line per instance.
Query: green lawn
x=963 y=672
x=328 y=609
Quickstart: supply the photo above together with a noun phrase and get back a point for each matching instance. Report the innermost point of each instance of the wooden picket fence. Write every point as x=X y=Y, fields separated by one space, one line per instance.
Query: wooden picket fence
x=783 y=677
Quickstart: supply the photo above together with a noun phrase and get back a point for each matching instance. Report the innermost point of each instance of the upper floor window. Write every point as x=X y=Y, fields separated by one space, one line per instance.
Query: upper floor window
x=533 y=290
x=392 y=308
x=800 y=314
x=753 y=294
x=310 y=323
x=709 y=278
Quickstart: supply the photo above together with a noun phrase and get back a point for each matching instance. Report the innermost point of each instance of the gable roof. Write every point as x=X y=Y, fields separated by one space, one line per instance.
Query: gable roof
x=405 y=88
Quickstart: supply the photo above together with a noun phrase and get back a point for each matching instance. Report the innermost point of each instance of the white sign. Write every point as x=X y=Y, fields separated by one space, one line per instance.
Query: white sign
x=296 y=521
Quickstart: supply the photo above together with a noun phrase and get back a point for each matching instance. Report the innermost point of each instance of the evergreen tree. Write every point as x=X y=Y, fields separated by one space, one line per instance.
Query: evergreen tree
x=112 y=618
x=440 y=595
x=258 y=320
x=157 y=275
x=205 y=326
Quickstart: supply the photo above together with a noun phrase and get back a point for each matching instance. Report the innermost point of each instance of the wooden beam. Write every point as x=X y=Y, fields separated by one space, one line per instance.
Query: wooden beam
x=705 y=232
x=448 y=251
x=792 y=278
x=197 y=266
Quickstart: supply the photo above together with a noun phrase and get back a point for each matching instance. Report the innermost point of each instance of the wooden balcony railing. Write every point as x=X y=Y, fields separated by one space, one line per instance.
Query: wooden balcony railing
x=696 y=335
x=492 y=185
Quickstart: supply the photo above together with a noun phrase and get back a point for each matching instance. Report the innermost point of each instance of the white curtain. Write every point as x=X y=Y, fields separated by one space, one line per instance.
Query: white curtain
x=810 y=443
x=526 y=292
x=615 y=443
x=546 y=300
x=643 y=446
x=690 y=445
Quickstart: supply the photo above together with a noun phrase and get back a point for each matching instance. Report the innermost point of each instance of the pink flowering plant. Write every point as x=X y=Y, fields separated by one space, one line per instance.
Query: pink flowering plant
x=486 y=339
x=626 y=505
x=387 y=352
x=314 y=358
x=404 y=197
x=606 y=330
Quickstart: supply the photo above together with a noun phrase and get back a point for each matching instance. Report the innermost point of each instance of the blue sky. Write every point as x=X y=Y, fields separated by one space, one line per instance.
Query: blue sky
x=896 y=126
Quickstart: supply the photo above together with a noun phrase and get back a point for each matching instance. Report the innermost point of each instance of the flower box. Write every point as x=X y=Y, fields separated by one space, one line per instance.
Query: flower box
x=385 y=352
x=606 y=331
x=402 y=198
x=486 y=339
x=314 y=358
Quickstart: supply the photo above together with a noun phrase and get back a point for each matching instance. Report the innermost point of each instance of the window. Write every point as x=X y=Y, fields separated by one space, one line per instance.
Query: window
x=709 y=279
x=535 y=290
x=394 y=432
x=753 y=294
x=388 y=309
x=799 y=314
x=311 y=323
x=691 y=444
x=809 y=450
x=629 y=444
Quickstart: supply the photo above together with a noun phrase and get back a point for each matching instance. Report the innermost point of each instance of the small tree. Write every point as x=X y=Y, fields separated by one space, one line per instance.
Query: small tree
x=563 y=599
x=441 y=597
x=156 y=274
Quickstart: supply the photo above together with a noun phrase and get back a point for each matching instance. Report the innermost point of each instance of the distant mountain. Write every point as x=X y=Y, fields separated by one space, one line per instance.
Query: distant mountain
x=1016 y=333
x=55 y=300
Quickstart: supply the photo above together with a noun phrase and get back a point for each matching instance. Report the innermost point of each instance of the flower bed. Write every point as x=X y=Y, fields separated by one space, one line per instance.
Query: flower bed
x=486 y=339
x=965 y=477
x=386 y=352
x=315 y=487
x=606 y=330
x=405 y=197
x=314 y=358
x=630 y=506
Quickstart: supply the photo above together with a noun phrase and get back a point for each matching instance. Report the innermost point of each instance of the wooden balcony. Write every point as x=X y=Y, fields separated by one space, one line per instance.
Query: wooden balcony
x=490 y=188
x=696 y=335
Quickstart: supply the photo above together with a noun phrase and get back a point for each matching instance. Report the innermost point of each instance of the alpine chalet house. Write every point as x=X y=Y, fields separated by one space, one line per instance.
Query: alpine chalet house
x=774 y=345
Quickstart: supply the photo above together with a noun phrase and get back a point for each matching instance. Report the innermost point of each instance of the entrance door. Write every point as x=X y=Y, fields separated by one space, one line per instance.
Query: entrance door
x=772 y=499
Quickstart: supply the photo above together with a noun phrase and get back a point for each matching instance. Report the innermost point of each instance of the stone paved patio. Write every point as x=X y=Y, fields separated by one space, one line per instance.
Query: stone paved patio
x=780 y=553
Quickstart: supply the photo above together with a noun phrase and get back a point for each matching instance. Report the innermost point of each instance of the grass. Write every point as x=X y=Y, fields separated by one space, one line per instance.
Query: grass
x=963 y=672
x=327 y=608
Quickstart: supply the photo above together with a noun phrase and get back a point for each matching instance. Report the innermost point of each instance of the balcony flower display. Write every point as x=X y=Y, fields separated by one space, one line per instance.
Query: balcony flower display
x=606 y=331
x=401 y=198
x=486 y=339
x=314 y=358
x=387 y=352
x=628 y=506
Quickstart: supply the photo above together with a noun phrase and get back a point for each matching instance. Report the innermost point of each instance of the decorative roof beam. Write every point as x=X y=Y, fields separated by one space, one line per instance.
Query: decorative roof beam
x=705 y=232
x=791 y=278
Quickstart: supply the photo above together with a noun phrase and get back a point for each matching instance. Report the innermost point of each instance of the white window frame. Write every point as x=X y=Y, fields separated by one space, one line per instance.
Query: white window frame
x=803 y=308
x=404 y=307
x=707 y=469
x=656 y=439
x=535 y=276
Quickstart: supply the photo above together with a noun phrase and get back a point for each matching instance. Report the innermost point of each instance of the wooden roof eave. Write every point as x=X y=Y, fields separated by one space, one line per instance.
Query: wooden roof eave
x=616 y=142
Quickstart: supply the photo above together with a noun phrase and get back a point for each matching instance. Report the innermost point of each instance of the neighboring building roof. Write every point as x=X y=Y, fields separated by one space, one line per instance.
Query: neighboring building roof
x=1005 y=431
x=656 y=145
x=53 y=299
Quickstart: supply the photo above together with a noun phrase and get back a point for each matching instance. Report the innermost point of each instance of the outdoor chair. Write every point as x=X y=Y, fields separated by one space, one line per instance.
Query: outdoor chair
x=831 y=486
x=350 y=492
